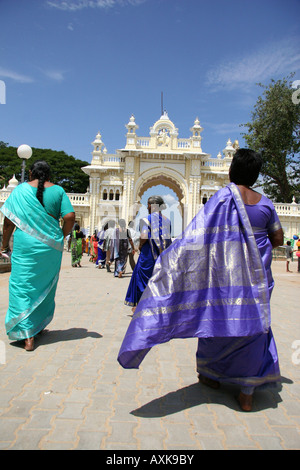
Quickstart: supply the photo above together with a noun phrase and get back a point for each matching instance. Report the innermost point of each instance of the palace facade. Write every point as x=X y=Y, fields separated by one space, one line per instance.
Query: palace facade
x=118 y=181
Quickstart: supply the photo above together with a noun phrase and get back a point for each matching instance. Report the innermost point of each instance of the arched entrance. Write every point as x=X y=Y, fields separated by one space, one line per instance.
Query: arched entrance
x=175 y=198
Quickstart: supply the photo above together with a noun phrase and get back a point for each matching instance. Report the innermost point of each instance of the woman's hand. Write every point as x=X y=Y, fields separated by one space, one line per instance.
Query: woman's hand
x=8 y=228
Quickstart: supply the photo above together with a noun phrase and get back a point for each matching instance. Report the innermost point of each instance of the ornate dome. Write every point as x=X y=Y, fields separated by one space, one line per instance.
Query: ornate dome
x=164 y=124
x=13 y=183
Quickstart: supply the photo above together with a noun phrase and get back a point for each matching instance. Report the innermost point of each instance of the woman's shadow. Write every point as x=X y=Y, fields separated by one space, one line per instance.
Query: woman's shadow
x=56 y=336
x=196 y=394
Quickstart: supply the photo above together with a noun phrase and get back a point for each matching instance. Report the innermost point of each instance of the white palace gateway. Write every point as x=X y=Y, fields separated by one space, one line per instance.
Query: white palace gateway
x=118 y=181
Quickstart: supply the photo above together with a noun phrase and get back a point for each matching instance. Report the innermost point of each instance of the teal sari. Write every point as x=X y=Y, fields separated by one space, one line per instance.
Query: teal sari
x=36 y=260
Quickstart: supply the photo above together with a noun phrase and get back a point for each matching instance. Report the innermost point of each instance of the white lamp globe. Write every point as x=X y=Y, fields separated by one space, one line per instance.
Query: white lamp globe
x=24 y=151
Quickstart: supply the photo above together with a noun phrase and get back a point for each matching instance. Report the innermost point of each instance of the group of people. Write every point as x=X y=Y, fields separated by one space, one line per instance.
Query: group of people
x=214 y=282
x=114 y=243
x=289 y=254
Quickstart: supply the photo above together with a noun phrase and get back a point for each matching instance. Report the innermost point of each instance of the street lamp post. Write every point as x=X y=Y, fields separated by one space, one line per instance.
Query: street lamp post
x=24 y=152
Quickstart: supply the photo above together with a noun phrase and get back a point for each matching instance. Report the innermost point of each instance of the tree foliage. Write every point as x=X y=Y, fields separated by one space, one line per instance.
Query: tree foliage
x=275 y=132
x=65 y=169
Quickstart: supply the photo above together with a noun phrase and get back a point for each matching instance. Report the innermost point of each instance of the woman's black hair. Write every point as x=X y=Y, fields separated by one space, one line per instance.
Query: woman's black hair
x=40 y=170
x=157 y=201
x=122 y=223
x=245 y=167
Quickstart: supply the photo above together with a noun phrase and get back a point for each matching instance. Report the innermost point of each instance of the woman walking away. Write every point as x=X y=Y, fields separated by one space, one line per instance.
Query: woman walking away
x=155 y=237
x=215 y=283
x=120 y=242
x=34 y=210
x=108 y=241
x=76 y=246
x=94 y=248
x=101 y=260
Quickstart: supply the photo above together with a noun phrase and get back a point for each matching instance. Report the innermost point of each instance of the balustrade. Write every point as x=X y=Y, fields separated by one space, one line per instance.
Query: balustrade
x=78 y=199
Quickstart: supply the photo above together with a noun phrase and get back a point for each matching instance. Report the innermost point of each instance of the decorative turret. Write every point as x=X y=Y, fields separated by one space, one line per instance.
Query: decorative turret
x=12 y=184
x=98 y=144
x=131 y=132
x=98 y=150
x=229 y=150
x=132 y=126
x=196 y=138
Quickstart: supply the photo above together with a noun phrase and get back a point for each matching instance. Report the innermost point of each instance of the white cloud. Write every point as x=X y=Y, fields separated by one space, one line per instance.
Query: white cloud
x=6 y=73
x=74 y=5
x=274 y=60
x=56 y=75
x=170 y=200
x=224 y=128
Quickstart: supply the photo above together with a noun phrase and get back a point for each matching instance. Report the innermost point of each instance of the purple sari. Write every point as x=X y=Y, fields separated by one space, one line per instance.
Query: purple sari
x=212 y=284
x=157 y=229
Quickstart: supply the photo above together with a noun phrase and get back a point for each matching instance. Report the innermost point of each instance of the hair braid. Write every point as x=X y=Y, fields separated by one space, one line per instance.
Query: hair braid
x=40 y=170
x=40 y=189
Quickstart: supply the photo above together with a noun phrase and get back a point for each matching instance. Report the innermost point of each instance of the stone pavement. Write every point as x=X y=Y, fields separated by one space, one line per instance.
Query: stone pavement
x=71 y=393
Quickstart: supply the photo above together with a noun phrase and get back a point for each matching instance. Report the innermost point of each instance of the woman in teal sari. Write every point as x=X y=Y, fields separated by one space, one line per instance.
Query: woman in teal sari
x=34 y=210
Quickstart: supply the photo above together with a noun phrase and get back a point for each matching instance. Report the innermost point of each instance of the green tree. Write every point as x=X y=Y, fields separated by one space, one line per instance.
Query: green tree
x=65 y=169
x=275 y=131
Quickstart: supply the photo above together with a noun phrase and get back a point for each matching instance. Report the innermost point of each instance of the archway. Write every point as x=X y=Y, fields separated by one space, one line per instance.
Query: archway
x=173 y=193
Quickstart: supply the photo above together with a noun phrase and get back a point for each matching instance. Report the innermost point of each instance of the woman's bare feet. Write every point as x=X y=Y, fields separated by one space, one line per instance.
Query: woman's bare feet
x=29 y=344
x=245 y=401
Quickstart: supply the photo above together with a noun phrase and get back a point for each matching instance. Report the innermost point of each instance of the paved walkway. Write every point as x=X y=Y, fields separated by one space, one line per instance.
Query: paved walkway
x=71 y=393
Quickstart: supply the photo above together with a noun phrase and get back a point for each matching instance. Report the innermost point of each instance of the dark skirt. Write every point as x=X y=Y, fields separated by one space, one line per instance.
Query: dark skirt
x=246 y=361
x=140 y=276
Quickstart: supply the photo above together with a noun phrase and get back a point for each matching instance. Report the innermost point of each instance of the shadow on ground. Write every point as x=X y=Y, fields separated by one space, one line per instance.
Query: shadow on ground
x=57 y=336
x=197 y=394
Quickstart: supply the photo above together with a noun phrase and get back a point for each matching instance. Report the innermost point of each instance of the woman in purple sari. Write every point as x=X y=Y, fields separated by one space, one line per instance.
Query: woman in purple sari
x=215 y=283
x=155 y=237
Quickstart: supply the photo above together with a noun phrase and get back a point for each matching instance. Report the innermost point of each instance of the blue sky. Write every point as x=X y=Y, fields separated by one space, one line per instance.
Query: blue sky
x=75 y=67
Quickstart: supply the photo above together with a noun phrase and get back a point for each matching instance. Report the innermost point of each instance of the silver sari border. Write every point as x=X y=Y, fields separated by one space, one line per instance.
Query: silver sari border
x=31 y=231
x=25 y=314
x=255 y=260
x=195 y=305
